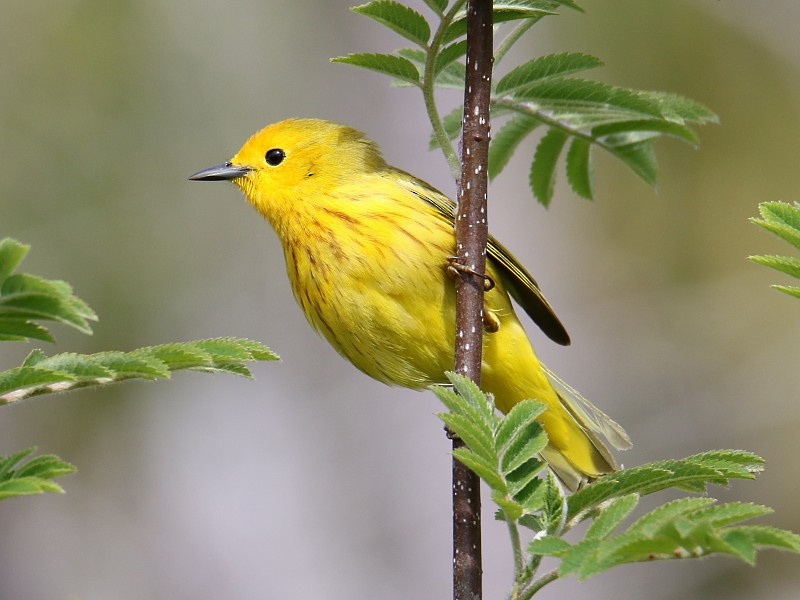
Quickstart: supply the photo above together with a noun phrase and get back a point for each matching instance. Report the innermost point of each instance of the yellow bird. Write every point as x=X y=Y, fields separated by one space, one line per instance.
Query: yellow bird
x=367 y=247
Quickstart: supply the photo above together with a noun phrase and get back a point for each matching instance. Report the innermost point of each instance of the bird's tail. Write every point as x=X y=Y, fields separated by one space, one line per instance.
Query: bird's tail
x=576 y=453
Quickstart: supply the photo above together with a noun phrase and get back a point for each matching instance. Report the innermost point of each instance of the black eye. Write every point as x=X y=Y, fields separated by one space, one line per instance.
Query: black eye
x=274 y=157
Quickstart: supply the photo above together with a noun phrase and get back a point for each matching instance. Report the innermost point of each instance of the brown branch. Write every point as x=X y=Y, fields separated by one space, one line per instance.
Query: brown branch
x=471 y=236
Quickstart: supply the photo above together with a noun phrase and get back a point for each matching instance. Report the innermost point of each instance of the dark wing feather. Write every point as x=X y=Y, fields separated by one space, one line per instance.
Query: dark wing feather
x=521 y=285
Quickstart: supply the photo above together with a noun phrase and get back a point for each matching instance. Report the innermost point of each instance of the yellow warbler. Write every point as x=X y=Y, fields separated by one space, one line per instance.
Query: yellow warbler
x=367 y=247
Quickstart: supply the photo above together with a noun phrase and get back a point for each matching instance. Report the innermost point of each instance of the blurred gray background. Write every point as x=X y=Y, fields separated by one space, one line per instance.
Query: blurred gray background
x=314 y=481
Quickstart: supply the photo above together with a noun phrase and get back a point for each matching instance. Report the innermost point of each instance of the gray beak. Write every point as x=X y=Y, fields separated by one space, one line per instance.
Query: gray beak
x=224 y=172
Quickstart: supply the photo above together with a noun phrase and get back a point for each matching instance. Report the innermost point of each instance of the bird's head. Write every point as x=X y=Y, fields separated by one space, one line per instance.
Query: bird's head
x=296 y=160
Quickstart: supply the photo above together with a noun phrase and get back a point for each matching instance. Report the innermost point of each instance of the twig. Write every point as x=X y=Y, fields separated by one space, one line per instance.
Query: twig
x=471 y=236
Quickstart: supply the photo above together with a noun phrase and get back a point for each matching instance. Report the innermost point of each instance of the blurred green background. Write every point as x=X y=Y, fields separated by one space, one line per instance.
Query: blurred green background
x=314 y=481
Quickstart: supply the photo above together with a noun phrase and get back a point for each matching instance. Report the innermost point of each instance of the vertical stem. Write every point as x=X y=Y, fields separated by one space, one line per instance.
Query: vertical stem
x=471 y=236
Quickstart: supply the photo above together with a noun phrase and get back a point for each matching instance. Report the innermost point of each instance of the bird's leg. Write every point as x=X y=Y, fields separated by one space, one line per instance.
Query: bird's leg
x=455 y=268
x=491 y=324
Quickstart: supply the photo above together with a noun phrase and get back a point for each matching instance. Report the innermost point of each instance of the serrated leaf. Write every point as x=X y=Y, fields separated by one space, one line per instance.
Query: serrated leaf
x=126 y=366
x=62 y=372
x=784 y=264
x=27 y=487
x=680 y=109
x=474 y=435
x=456 y=404
x=34 y=305
x=782 y=220
x=555 y=505
x=507 y=10
x=720 y=515
x=523 y=448
x=525 y=486
x=543 y=168
x=399 y=18
x=176 y=356
x=46 y=466
x=20 y=330
x=449 y=54
x=788 y=289
x=12 y=253
x=473 y=395
x=506 y=141
x=781 y=213
x=690 y=473
x=580 y=174
x=452 y=76
x=651 y=522
x=549 y=546
x=544 y=67
x=562 y=94
x=640 y=158
x=482 y=468
x=764 y=536
x=575 y=558
x=519 y=422
x=437 y=6
x=75 y=366
x=19 y=379
x=34 y=477
x=510 y=510
x=670 y=128
x=611 y=516
x=388 y=64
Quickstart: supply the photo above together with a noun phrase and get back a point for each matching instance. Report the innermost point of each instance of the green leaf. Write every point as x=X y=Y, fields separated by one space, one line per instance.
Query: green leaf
x=34 y=477
x=473 y=395
x=12 y=253
x=580 y=174
x=693 y=473
x=611 y=516
x=398 y=17
x=519 y=423
x=62 y=372
x=474 y=434
x=784 y=264
x=640 y=158
x=549 y=546
x=562 y=94
x=506 y=141
x=20 y=330
x=788 y=289
x=721 y=515
x=388 y=64
x=781 y=213
x=678 y=130
x=437 y=6
x=482 y=468
x=508 y=10
x=449 y=54
x=545 y=67
x=543 y=167
x=523 y=447
x=524 y=485
x=764 y=536
x=15 y=383
x=555 y=505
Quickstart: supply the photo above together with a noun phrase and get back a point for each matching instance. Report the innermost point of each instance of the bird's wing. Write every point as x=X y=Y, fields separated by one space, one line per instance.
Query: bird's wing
x=591 y=418
x=520 y=283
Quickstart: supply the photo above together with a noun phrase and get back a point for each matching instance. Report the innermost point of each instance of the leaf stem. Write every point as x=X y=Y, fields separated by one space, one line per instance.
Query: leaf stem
x=550 y=577
x=512 y=38
x=428 y=87
x=516 y=546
